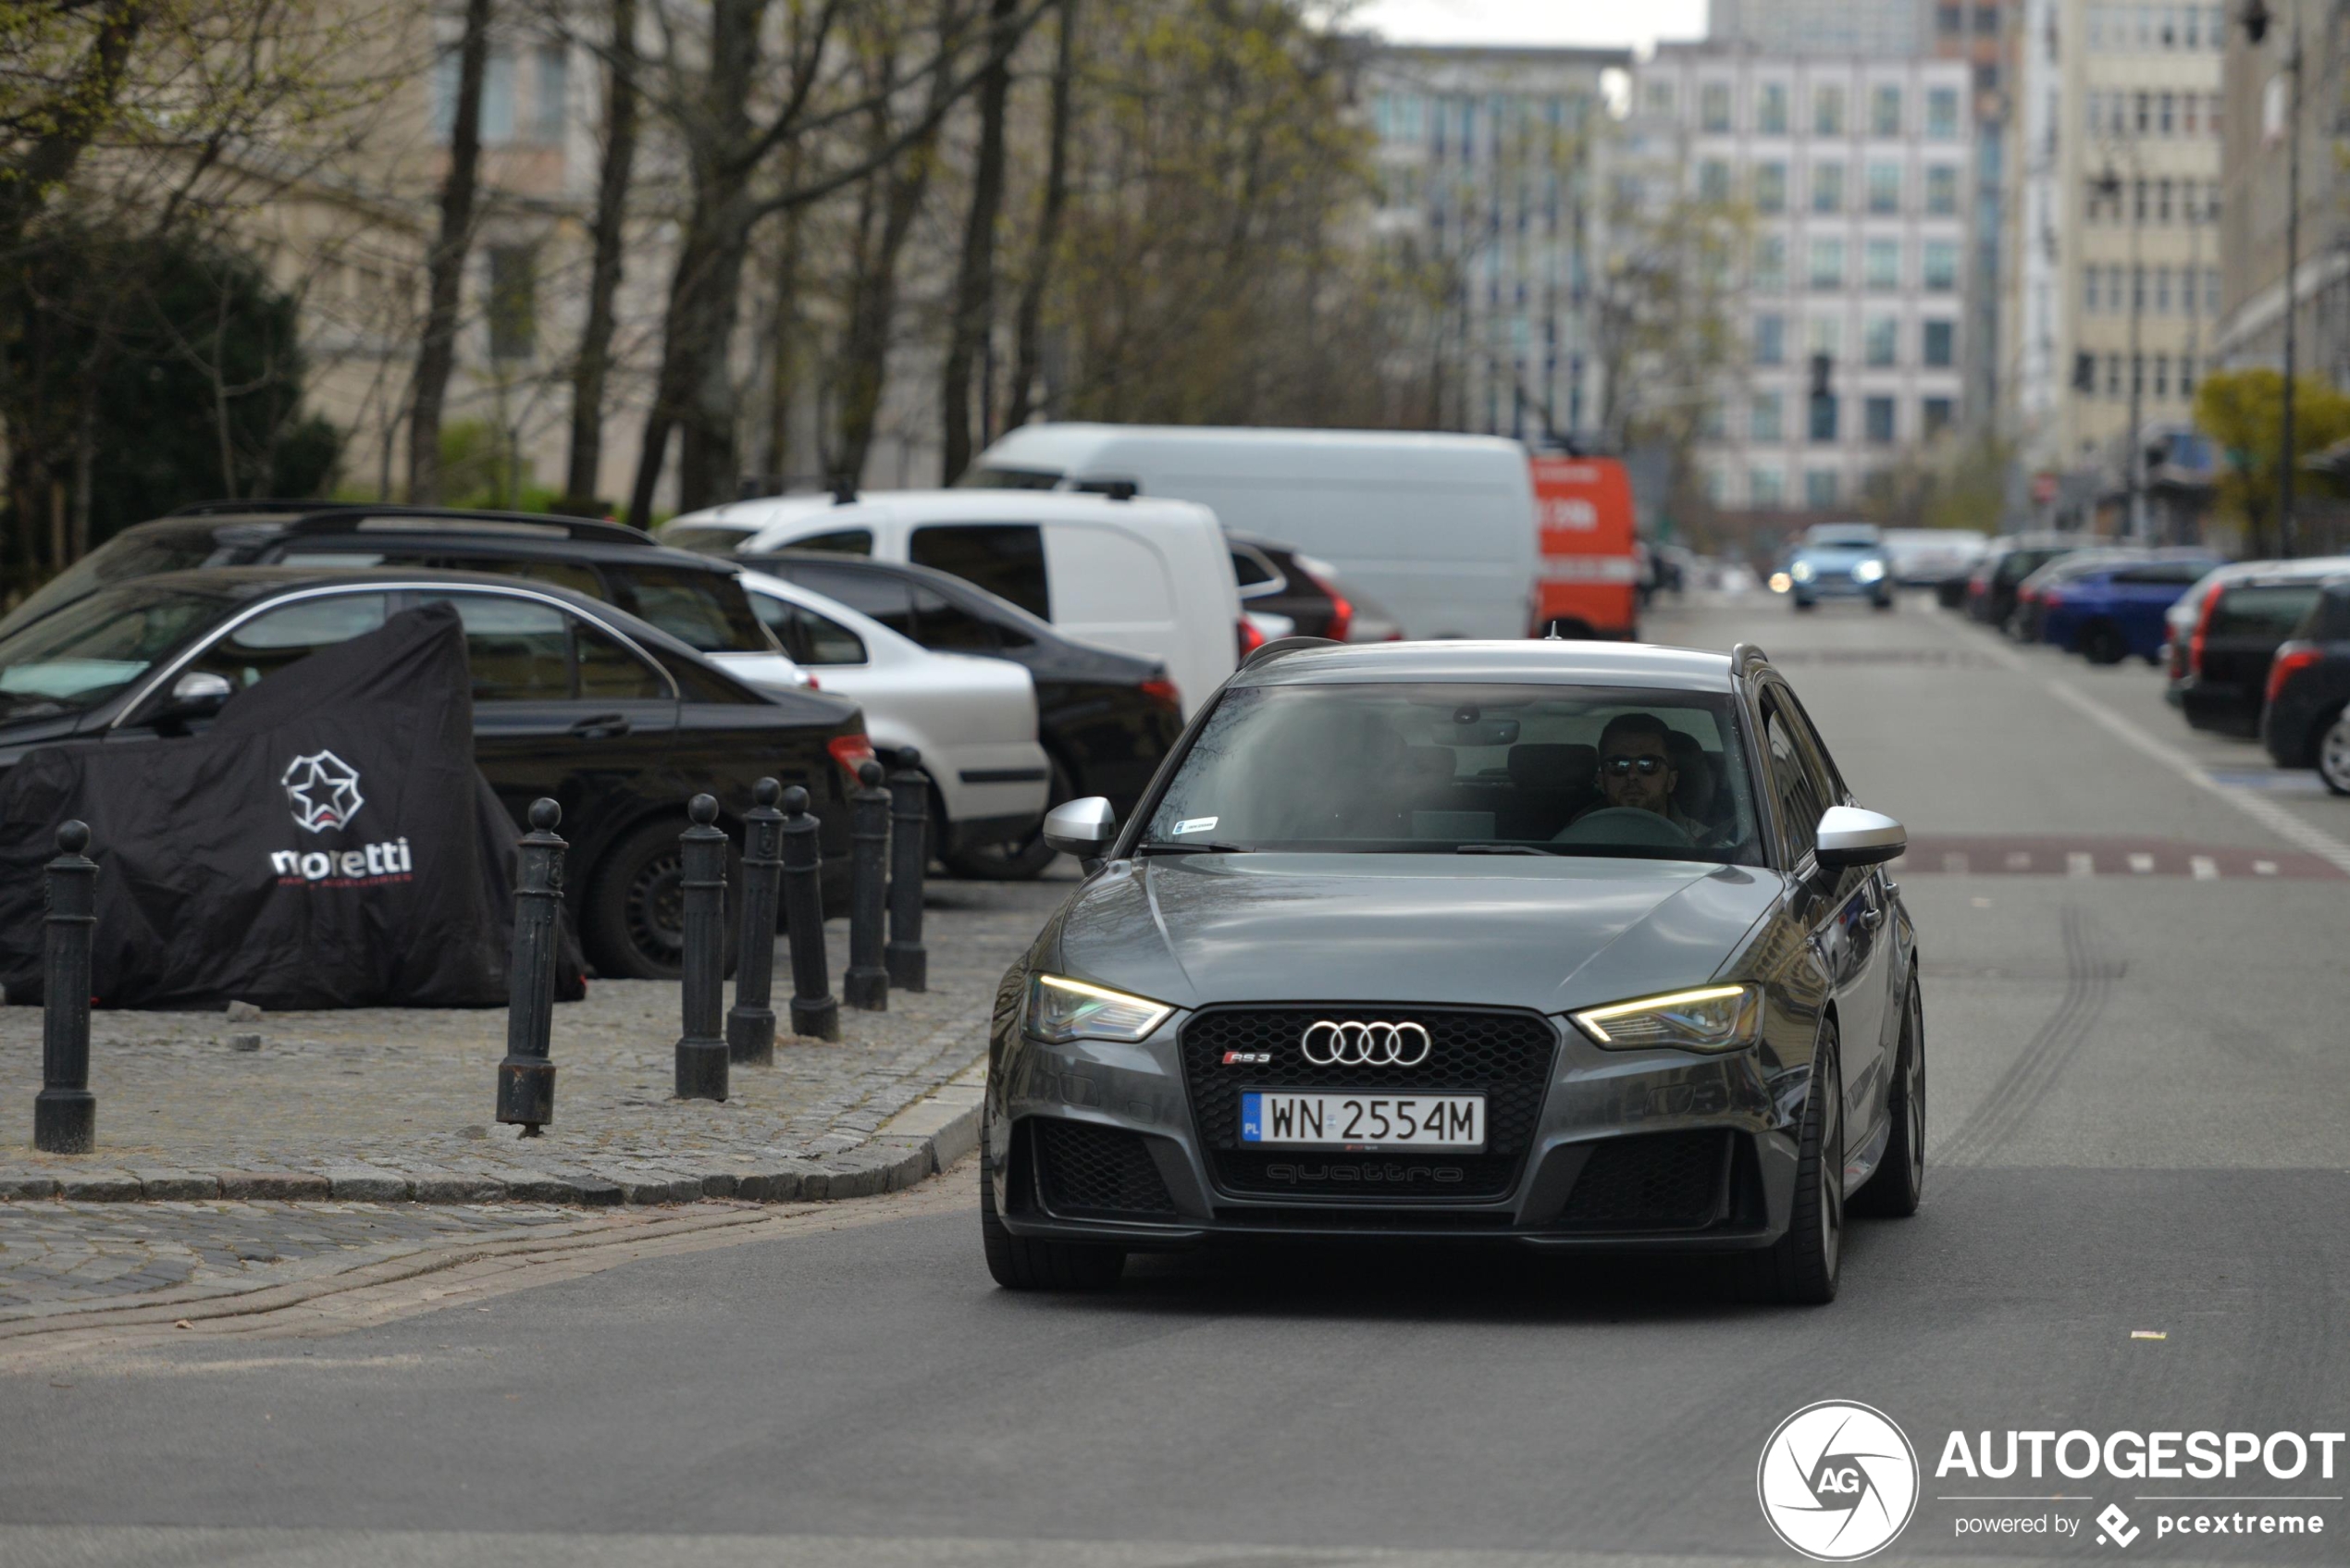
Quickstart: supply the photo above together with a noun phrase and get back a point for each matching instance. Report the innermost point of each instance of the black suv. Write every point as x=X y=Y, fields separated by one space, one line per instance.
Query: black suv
x=694 y=599
x=618 y=721
x=2306 y=722
x=1105 y=719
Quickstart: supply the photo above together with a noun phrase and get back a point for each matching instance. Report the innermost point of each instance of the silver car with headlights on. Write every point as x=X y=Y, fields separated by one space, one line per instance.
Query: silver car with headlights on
x=1562 y=944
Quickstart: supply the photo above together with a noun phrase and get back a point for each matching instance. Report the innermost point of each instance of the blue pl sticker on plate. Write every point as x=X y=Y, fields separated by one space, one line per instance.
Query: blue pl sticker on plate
x=1196 y=824
x=1252 y=1118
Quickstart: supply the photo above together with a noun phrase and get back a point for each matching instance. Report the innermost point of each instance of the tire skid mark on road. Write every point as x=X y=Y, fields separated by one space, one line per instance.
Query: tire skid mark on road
x=2090 y=972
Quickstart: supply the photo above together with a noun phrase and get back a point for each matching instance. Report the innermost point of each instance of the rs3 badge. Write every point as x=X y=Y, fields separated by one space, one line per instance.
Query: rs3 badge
x=1247 y=1058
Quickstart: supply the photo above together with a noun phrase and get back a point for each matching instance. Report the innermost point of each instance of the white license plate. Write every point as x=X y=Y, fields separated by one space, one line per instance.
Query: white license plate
x=1362 y=1120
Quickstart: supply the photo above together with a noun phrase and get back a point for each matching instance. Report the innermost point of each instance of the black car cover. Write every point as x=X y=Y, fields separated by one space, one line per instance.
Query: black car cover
x=326 y=843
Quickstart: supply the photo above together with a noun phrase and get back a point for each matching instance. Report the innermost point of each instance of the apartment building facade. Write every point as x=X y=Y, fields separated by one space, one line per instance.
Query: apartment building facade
x=1853 y=175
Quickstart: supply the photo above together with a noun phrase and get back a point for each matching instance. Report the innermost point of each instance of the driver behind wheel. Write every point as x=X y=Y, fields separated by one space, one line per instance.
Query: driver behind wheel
x=1637 y=772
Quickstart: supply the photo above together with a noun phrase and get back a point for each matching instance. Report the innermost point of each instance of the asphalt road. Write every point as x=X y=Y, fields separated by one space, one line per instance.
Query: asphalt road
x=2140 y=1125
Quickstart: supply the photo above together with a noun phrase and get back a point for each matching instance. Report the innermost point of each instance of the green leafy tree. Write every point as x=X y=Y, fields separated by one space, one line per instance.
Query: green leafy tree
x=2242 y=411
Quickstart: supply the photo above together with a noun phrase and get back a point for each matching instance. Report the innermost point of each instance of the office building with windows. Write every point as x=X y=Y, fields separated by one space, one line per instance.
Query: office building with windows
x=1490 y=163
x=1884 y=28
x=1851 y=176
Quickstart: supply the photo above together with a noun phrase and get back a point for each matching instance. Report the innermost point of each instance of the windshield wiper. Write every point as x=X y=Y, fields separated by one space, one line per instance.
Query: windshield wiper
x=1195 y=847
x=1500 y=849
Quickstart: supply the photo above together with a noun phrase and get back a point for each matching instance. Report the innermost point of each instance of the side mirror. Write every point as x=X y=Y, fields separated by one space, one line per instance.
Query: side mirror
x=1082 y=828
x=1849 y=836
x=199 y=694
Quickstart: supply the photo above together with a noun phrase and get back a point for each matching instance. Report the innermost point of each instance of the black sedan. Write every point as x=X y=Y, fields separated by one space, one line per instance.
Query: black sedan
x=2306 y=722
x=617 y=720
x=1428 y=940
x=1106 y=719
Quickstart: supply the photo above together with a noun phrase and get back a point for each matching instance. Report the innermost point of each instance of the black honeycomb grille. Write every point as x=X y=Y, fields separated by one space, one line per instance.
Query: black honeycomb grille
x=1085 y=1169
x=1650 y=1181
x=1505 y=1056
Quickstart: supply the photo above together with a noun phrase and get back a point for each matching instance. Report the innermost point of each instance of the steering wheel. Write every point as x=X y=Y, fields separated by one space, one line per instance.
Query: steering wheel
x=1628 y=825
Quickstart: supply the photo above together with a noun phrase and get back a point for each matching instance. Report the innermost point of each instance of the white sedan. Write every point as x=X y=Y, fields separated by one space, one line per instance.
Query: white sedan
x=973 y=720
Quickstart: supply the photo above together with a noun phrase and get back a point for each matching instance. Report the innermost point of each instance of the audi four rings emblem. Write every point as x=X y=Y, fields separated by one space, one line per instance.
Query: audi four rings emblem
x=1331 y=1044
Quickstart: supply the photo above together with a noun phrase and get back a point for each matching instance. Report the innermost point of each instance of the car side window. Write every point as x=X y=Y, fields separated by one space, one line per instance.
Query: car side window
x=1792 y=785
x=519 y=650
x=1814 y=752
x=278 y=637
x=883 y=599
x=609 y=670
x=1007 y=559
x=702 y=610
x=941 y=623
x=809 y=637
x=840 y=541
x=2163 y=573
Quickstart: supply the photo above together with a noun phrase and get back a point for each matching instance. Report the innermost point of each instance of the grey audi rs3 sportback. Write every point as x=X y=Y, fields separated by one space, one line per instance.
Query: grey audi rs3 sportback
x=1575 y=944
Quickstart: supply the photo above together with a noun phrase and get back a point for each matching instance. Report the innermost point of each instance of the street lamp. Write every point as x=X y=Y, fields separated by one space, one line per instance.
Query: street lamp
x=2257 y=17
x=2110 y=187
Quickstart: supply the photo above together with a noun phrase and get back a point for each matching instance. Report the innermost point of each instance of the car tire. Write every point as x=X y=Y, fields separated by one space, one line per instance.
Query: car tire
x=2334 y=754
x=1024 y=1263
x=631 y=921
x=1807 y=604
x=1800 y=1268
x=1883 y=603
x=1023 y=862
x=1898 y=1185
x=2103 y=644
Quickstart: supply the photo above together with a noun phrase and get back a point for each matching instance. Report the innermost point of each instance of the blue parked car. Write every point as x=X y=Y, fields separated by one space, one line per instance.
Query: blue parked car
x=1839 y=560
x=2110 y=610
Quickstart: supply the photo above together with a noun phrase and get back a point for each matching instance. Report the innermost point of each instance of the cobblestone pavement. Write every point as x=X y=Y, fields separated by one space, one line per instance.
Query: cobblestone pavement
x=386 y=1103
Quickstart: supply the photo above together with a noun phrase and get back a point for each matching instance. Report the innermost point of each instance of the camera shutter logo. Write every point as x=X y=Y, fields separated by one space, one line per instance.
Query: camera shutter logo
x=323 y=789
x=1838 y=1481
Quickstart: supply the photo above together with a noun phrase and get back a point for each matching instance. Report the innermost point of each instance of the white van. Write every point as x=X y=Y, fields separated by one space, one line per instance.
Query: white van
x=1438 y=528
x=1149 y=577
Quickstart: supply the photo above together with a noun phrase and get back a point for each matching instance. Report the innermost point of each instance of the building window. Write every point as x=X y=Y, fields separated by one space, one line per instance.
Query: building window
x=1712 y=424
x=1766 y=487
x=1770 y=109
x=1884 y=188
x=1827 y=188
x=2113 y=375
x=1948 y=20
x=2213 y=117
x=1826 y=270
x=1885 y=111
x=1878 y=340
x=2187 y=376
x=1763 y=419
x=1876 y=417
x=2089 y=275
x=1825 y=335
x=1714 y=180
x=1661 y=98
x=1942 y=191
x=2161 y=201
x=1883 y=265
x=1827 y=110
x=1941 y=344
x=1770 y=265
x=2211 y=291
x=2194 y=38
x=1824 y=419
x=2190 y=112
x=1942 y=114
x=551 y=95
x=498 y=99
x=1940 y=273
x=1934 y=416
x=514 y=301
x=2162 y=376
x=1819 y=488
x=1713 y=106
x=2166 y=112
x=447 y=70
x=2096 y=101
x=1770 y=188
x=1770 y=339
x=1987 y=22
x=2162 y=291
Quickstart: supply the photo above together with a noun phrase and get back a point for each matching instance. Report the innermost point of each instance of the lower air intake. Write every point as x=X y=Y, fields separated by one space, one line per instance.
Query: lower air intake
x=1084 y=1170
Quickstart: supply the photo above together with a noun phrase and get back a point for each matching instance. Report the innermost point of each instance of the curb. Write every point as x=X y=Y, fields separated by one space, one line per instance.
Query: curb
x=911 y=1148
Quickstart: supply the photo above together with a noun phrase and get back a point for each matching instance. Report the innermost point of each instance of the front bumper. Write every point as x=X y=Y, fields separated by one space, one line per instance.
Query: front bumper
x=1629 y=1150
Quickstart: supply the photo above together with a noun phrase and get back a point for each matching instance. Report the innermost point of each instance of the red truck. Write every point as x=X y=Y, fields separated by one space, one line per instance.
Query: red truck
x=1588 y=570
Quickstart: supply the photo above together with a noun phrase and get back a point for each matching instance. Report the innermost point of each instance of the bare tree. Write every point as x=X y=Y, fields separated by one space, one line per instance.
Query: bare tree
x=593 y=368
x=445 y=265
x=974 y=315
x=1029 y=319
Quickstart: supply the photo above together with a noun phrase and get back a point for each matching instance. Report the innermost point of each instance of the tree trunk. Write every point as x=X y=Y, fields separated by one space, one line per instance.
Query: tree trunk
x=86 y=103
x=783 y=348
x=445 y=269
x=1028 y=331
x=593 y=368
x=873 y=308
x=975 y=315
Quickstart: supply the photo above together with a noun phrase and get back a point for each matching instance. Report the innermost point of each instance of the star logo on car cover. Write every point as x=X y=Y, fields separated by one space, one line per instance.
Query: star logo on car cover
x=323 y=789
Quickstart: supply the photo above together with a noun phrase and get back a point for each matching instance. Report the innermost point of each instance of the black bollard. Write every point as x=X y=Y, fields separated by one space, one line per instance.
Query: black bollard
x=527 y=1078
x=866 y=985
x=750 y=1022
x=65 y=1113
x=813 y=1012
x=907 y=959
x=701 y=1049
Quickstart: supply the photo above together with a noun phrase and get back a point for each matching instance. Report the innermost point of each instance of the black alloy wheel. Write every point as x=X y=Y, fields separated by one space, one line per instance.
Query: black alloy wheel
x=1898 y=1186
x=1800 y=1268
x=2333 y=753
x=1025 y=859
x=2103 y=644
x=634 y=917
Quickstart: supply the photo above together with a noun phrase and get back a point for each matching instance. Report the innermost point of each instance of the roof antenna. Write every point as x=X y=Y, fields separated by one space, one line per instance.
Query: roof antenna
x=1554 y=636
x=844 y=490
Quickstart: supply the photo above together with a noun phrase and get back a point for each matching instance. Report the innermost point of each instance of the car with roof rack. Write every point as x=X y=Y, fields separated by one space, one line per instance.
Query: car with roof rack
x=1427 y=940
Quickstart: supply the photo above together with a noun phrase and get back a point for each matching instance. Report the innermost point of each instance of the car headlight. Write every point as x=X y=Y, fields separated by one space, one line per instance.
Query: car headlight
x=1061 y=1010
x=1867 y=570
x=1801 y=571
x=1711 y=1018
x=1780 y=582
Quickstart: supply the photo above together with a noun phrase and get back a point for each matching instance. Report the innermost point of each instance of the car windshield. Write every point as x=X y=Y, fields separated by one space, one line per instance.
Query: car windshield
x=122 y=559
x=1442 y=768
x=1841 y=538
x=75 y=657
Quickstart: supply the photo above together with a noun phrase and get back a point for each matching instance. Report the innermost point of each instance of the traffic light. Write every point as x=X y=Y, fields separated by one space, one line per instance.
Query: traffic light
x=1822 y=368
x=2084 y=373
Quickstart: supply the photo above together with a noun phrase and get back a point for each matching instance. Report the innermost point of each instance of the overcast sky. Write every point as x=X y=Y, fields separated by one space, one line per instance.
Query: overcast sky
x=1635 y=22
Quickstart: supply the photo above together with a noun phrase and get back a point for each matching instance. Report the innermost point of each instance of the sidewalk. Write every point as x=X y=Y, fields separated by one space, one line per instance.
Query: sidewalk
x=390 y=1105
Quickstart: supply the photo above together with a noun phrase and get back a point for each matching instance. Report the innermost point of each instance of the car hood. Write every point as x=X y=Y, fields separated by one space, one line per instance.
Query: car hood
x=1549 y=933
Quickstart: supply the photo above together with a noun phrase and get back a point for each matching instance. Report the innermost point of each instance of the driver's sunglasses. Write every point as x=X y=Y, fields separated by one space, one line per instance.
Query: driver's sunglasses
x=1625 y=767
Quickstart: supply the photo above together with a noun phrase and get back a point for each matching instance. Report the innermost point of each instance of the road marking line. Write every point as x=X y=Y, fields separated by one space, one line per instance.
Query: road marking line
x=2264 y=868
x=2018 y=860
x=2141 y=864
x=2080 y=863
x=1955 y=864
x=2204 y=868
x=2267 y=812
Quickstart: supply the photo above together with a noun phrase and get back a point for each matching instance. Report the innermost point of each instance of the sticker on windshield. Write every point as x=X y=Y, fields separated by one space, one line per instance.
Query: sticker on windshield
x=1195 y=824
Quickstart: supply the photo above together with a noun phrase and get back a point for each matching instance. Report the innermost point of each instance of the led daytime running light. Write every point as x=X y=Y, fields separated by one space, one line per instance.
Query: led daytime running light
x=1594 y=1020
